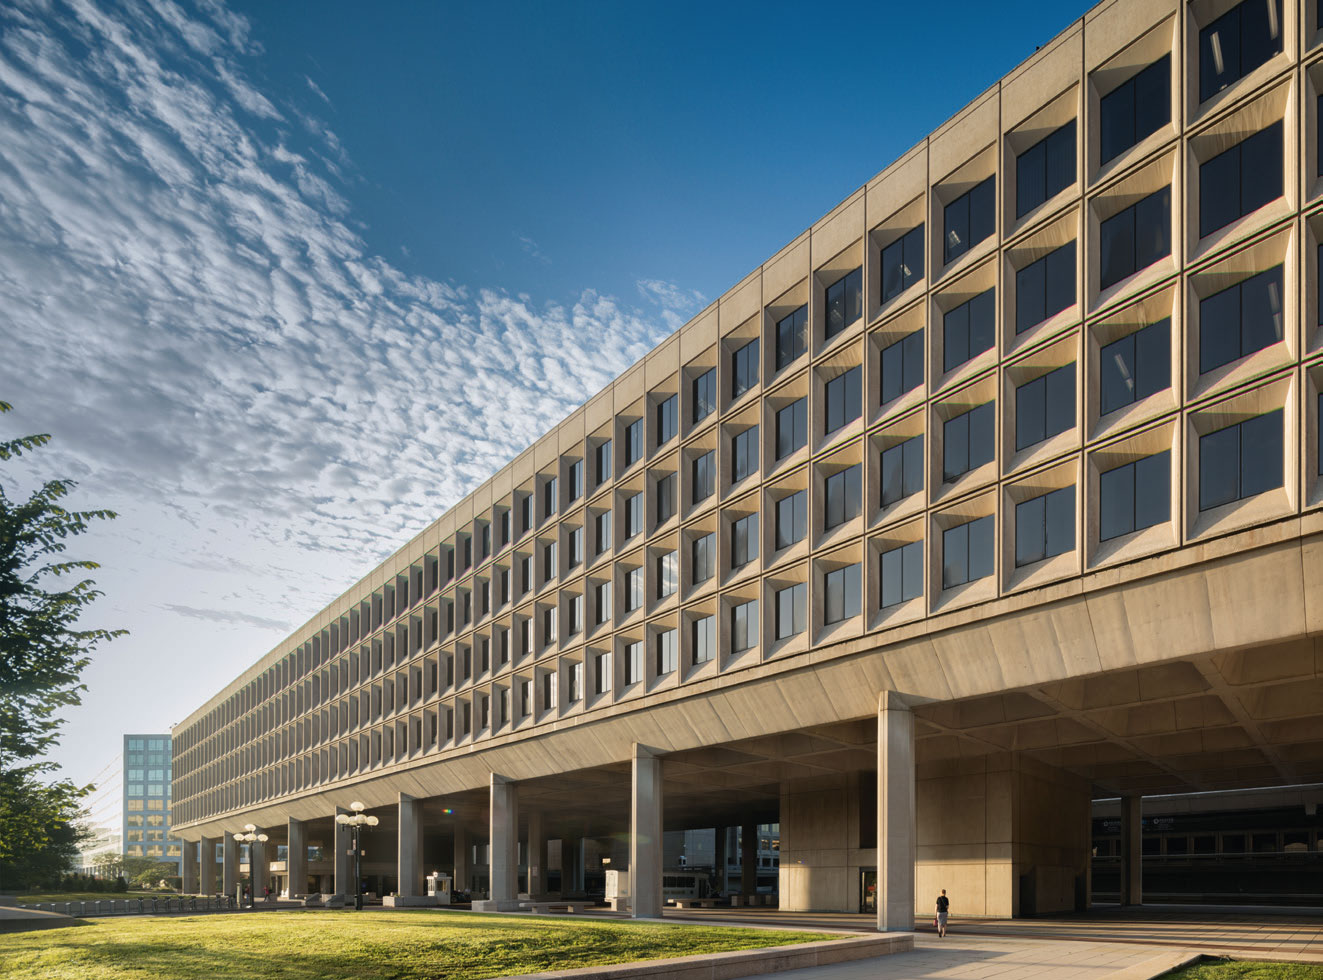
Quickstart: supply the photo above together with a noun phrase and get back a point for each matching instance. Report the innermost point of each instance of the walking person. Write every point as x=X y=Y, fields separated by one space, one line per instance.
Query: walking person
x=943 y=907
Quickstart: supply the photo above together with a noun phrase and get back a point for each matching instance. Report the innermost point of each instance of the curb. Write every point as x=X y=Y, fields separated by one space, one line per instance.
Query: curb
x=1158 y=966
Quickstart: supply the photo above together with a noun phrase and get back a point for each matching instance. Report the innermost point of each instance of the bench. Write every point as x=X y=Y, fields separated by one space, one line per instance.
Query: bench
x=695 y=903
x=543 y=908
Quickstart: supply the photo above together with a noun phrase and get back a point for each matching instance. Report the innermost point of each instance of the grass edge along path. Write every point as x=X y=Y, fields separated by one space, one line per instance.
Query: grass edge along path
x=423 y=944
x=1233 y=969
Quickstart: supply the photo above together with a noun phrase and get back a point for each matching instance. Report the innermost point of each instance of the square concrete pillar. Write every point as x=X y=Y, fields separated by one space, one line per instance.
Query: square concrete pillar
x=571 y=865
x=461 y=869
x=537 y=856
x=229 y=865
x=896 y=826
x=749 y=859
x=1132 y=851
x=259 y=867
x=410 y=838
x=344 y=858
x=207 y=865
x=189 y=872
x=296 y=858
x=504 y=840
x=645 y=835
x=719 y=859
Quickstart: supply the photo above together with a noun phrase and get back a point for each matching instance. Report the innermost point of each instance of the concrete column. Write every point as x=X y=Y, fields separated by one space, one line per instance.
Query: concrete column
x=896 y=826
x=461 y=869
x=571 y=865
x=749 y=859
x=1132 y=851
x=344 y=859
x=207 y=865
x=189 y=872
x=719 y=858
x=537 y=856
x=410 y=847
x=296 y=858
x=229 y=864
x=259 y=866
x=503 y=849
x=645 y=835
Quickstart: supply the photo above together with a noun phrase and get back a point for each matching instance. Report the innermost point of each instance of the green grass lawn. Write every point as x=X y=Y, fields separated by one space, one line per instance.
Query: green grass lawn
x=1248 y=970
x=34 y=898
x=375 y=945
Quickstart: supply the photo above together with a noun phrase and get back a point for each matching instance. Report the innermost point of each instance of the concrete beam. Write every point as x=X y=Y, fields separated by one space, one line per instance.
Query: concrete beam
x=645 y=835
x=896 y=833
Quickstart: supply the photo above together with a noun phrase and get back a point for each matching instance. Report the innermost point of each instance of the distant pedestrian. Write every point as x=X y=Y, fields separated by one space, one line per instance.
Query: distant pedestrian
x=943 y=907
x=266 y=893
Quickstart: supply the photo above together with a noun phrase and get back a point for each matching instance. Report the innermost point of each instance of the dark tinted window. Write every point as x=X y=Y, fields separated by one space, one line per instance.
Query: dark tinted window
x=902 y=470
x=791 y=519
x=843 y=398
x=1241 y=179
x=744 y=369
x=969 y=219
x=1044 y=407
x=791 y=428
x=1134 y=109
x=1240 y=320
x=633 y=442
x=845 y=302
x=744 y=454
x=665 y=497
x=603 y=462
x=902 y=263
x=902 y=366
x=1044 y=169
x=968 y=441
x=705 y=476
x=1134 y=496
x=844 y=497
x=1241 y=460
x=703 y=558
x=1236 y=43
x=969 y=329
x=705 y=394
x=1045 y=526
x=1044 y=287
x=901 y=574
x=791 y=606
x=668 y=419
x=1135 y=238
x=791 y=337
x=743 y=540
x=1134 y=367
x=841 y=594
x=967 y=552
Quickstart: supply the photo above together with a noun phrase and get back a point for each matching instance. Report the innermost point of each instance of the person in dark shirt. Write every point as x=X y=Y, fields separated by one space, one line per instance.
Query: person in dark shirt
x=943 y=906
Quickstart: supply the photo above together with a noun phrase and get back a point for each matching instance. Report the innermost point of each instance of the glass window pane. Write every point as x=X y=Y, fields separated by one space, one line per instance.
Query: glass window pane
x=1261 y=169
x=892 y=577
x=1030 y=295
x=913 y=449
x=912 y=570
x=982 y=211
x=1060 y=521
x=1152 y=490
x=851 y=590
x=1116 y=245
x=1219 y=329
x=955 y=556
x=1061 y=159
x=1261 y=310
x=1116 y=112
x=982 y=322
x=980 y=548
x=1152 y=228
x=1116 y=507
x=1116 y=375
x=1060 y=279
x=1060 y=411
x=1219 y=467
x=982 y=435
x=955 y=449
x=1030 y=178
x=1030 y=406
x=955 y=337
x=1261 y=454
x=1152 y=352
x=1219 y=191
x=1153 y=97
x=1029 y=531
x=893 y=482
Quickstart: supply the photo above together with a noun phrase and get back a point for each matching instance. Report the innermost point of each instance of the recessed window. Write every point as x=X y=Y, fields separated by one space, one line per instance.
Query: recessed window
x=844 y=402
x=1044 y=407
x=602 y=533
x=901 y=573
x=1134 y=367
x=744 y=454
x=668 y=419
x=665 y=498
x=791 y=337
x=969 y=441
x=969 y=329
x=705 y=475
x=1236 y=43
x=902 y=366
x=744 y=369
x=705 y=639
x=1241 y=460
x=743 y=541
x=1045 y=526
x=902 y=263
x=549 y=501
x=633 y=515
x=1045 y=287
x=1045 y=169
x=1135 y=238
x=601 y=603
x=791 y=428
x=668 y=574
x=667 y=652
x=791 y=519
x=1134 y=496
x=704 y=555
x=705 y=394
x=575 y=547
x=1240 y=180
x=967 y=552
x=1137 y=107
x=840 y=599
x=844 y=496
x=969 y=219
x=633 y=589
x=633 y=662
x=845 y=302
x=902 y=470
x=1241 y=319
x=633 y=442
x=548 y=563
x=744 y=626
x=791 y=608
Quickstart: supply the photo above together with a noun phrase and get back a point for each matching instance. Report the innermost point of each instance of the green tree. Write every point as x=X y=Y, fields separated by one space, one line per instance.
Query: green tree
x=42 y=655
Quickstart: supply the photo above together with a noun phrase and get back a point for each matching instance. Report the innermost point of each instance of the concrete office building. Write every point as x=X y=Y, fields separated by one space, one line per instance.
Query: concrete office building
x=994 y=492
x=147 y=787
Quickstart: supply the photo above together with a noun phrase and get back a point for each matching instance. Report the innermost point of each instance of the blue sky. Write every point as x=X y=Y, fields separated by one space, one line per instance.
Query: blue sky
x=286 y=280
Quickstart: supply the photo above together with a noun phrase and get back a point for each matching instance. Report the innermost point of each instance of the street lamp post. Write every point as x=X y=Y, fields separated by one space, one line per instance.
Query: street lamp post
x=358 y=820
x=250 y=837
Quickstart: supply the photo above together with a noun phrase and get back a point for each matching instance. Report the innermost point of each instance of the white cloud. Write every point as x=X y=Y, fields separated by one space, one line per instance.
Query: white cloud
x=272 y=407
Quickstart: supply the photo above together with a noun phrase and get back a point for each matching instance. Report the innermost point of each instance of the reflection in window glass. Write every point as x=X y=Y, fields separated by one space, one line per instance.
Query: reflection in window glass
x=1044 y=169
x=844 y=495
x=902 y=366
x=902 y=263
x=969 y=219
x=1044 y=407
x=1045 y=287
x=969 y=329
x=1134 y=496
x=791 y=606
x=901 y=574
x=1236 y=43
x=1135 y=238
x=791 y=428
x=968 y=441
x=843 y=399
x=967 y=552
x=845 y=302
x=902 y=470
x=791 y=337
x=1241 y=179
x=1240 y=460
x=1045 y=526
x=840 y=594
x=791 y=519
x=1137 y=107
x=1134 y=367
x=1241 y=319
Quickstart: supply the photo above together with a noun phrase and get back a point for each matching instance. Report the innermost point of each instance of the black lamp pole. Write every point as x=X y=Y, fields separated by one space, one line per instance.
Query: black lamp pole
x=358 y=873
